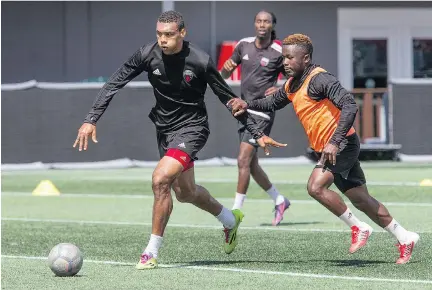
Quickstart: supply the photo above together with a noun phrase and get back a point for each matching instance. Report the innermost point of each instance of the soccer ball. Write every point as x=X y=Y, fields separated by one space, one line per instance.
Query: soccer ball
x=65 y=260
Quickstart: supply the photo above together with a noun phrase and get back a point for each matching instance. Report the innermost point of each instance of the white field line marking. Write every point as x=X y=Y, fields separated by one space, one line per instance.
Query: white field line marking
x=231 y=180
x=292 y=274
x=296 y=182
x=125 y=223
x=142 y=196
x=147 y=178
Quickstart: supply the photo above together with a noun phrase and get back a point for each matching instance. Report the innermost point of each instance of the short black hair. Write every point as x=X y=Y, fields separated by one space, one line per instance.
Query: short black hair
x=172 y=16
x=274 y=21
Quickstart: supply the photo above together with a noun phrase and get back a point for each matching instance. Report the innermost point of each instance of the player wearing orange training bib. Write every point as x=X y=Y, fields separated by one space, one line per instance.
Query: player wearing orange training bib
x=327 y=112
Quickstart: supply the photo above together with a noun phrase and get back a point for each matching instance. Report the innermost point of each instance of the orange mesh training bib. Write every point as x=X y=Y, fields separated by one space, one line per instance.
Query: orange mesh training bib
x=319 y=118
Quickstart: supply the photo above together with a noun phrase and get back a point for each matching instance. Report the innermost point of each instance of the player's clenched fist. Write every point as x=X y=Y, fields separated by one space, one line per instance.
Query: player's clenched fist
x=84 y=132
x=229 y=65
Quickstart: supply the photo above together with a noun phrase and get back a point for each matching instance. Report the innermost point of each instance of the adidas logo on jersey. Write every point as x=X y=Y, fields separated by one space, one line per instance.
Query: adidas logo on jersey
x=182 y=145
x=156 y=72
x=246 y=57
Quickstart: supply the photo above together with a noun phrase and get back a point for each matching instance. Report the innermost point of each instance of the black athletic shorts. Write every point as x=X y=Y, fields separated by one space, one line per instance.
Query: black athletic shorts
x=347 y=171
x=264 y=125
x=187 y=139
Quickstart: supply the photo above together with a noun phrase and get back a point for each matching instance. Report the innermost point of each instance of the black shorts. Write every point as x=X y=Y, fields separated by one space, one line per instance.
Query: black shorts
x=264 y=125
x=187 y=139
x=347 y=171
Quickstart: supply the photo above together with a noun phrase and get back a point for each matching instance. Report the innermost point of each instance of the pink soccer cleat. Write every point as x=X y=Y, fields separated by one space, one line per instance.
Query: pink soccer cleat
x=279 y=211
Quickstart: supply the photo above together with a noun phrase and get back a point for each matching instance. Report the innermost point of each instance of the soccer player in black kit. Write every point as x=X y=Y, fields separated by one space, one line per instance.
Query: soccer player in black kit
x=179 y=73
x=262 y=62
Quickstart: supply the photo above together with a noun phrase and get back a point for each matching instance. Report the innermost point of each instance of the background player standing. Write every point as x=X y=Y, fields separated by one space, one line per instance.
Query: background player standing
x=179 y=73
x=261 y=60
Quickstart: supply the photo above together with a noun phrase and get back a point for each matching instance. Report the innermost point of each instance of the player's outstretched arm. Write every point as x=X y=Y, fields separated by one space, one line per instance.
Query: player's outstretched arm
x=134 y=66
x=278 y=100
x=224 y=93
x=226 y=96
x=274 y=102
x=239 y=107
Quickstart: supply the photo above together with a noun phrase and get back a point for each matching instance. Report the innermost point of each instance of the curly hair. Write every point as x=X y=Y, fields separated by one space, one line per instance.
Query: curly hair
x=172 y=16
x=300 y=39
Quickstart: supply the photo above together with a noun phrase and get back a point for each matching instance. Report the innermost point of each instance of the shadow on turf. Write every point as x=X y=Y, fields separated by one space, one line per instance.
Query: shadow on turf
x=338 y=263
x=354 y=263
x=69 y=277
x=292 y=224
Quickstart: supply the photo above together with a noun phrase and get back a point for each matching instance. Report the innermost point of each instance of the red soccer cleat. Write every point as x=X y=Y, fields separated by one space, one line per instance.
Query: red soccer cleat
x=407 y=248
x=359 y=237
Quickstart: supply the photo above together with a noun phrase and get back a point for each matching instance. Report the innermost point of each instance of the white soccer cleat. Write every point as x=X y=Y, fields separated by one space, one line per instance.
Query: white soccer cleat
x=146 y=262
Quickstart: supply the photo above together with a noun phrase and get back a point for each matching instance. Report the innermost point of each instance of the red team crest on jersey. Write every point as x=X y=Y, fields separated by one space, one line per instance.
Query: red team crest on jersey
x=188 y=75
x=264 y=61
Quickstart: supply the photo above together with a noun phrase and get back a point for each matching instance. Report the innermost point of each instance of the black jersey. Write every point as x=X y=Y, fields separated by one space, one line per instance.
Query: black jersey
x=260 y=67
x=179 y=83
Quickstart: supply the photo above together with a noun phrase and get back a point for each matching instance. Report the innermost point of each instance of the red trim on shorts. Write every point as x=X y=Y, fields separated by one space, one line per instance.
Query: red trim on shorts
x=190 y=165
x=181 y=157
